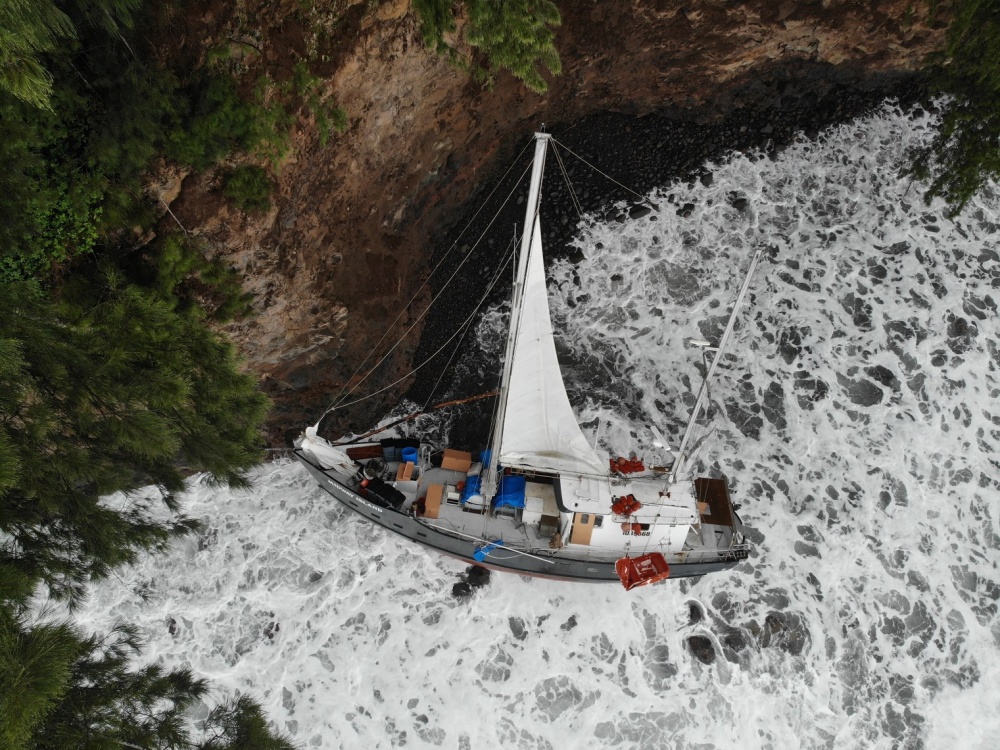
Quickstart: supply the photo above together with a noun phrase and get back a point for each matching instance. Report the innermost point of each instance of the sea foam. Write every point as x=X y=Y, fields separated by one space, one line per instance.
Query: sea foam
x=857 y=417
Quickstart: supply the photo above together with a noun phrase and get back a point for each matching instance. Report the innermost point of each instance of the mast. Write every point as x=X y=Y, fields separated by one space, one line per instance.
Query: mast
x=490 y=480
x=703 y=392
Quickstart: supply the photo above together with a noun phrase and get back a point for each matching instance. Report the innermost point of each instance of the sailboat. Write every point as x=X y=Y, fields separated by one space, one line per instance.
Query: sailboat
x=539 y=499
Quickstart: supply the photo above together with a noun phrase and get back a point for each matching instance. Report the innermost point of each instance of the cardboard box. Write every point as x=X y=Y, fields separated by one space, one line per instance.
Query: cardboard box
x=456 y=460
x=405 y=472
x=432 y=504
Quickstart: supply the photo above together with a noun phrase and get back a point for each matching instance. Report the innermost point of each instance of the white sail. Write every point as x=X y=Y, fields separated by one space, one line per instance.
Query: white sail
x=540 y=431
x=326 y=455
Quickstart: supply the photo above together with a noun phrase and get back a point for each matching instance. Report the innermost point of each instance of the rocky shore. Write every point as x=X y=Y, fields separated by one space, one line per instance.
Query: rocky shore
x=641 y=153
x=652 y=88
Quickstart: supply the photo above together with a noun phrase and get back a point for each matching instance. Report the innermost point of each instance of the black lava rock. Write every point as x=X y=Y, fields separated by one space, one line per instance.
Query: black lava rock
x=477 y=576
x=702 y=648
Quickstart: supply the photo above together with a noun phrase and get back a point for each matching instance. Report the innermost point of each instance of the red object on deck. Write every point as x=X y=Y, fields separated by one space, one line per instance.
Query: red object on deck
x=627 y=465
x=625 y=506
x=639 y=571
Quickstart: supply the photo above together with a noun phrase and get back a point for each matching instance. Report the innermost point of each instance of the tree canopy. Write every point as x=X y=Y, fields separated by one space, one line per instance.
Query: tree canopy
x=965 y=152
x=113 y=376
x=514 y=35
x=62 y=689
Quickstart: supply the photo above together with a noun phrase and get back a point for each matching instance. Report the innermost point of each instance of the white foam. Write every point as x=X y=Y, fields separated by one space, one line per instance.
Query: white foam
x=868 y=620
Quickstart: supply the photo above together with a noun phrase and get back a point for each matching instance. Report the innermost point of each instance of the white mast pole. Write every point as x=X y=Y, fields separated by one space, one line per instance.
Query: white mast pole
x=490 y=481
x=703 y=392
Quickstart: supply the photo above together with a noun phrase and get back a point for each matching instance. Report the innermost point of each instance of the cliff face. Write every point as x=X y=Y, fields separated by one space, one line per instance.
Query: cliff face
x=347 y=241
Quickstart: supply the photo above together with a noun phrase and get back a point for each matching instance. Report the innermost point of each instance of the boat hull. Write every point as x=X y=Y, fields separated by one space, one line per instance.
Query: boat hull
x=500 y=559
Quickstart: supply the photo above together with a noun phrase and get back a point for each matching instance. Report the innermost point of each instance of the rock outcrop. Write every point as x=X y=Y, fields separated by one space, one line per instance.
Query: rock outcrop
x=354 y=221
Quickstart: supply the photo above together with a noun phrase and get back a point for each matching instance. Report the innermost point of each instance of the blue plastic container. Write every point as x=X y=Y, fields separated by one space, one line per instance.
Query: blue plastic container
x=409 y=454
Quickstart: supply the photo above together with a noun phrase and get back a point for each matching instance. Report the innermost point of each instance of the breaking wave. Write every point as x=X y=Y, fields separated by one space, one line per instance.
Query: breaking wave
x=857 y=417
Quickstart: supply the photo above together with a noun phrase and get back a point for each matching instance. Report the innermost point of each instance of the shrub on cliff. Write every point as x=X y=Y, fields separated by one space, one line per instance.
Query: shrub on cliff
x=965 y=152
x=516 y=35
x=248 y=187
x=79 y=135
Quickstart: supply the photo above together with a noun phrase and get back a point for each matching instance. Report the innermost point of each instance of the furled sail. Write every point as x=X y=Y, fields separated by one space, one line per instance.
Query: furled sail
x=326 y=455
x=540 y=431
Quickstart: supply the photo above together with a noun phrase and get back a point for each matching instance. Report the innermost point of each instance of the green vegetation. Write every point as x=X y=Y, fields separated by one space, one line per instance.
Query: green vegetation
x=516 y=35
x=112 y=377
x=248 y=187
x=33 y=29
x=329 y=117
x=216 y=121
x=965 y=152
x=114 y=385
x=60 y=689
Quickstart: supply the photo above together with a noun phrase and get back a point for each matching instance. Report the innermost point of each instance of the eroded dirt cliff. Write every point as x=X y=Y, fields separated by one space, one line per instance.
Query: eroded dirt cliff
x=353 y=222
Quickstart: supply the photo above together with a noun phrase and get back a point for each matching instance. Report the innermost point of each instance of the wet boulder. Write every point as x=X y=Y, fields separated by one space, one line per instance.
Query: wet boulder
x=785 y=631
x=478 y=576
x=702 y=648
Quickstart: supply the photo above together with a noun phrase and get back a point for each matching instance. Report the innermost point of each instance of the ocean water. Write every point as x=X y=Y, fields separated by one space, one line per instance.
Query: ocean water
x=857 y=417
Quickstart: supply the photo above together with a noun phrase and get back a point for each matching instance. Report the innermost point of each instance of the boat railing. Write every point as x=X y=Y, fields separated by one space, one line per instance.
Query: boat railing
x=732 y=552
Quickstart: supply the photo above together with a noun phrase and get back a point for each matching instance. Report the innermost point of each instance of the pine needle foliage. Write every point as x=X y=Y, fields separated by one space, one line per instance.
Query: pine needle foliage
x=517 y=35
x=514 y=35
x=965 y=152
x=239 y=724
x=113 y=387
x=28 y=30
x=31 y=31
x=35 y=668
x=62 y=689
x=248 y=187
x=437 y=20
x=108 y=703
x=112 y=378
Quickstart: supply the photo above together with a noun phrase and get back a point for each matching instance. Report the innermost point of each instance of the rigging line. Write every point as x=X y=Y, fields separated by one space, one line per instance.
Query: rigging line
x=603 y=174
x=429 y=276
x=706 y=363
x=502 y=546
x=422 y=314
x=422 y=364
x=506 y=259
x=411 y=417
x=433 y=300
x=569 y=185
x=495 y=415
x=338 y=402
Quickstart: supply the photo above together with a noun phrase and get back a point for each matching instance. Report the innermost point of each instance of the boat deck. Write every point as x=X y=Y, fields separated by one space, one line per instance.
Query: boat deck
x=542 y=527
x=450 y=515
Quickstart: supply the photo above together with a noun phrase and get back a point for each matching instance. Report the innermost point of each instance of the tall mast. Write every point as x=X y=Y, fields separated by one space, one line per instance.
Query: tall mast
x=489 y=485
x=703 y=392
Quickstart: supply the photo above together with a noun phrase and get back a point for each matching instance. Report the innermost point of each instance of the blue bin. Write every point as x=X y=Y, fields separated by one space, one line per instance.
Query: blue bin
x=409 y=454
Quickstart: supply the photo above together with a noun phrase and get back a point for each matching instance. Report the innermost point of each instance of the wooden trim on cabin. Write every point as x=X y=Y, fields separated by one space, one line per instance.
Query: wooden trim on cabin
x=362 y=452
x=715 y=492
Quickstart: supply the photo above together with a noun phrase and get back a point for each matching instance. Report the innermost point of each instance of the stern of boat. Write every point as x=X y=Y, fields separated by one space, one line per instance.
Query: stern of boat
x=721 y=528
